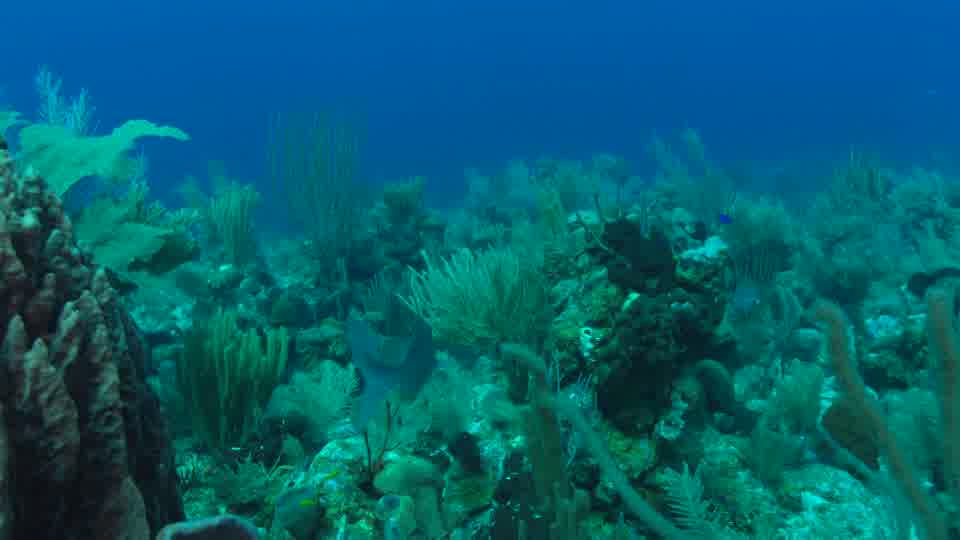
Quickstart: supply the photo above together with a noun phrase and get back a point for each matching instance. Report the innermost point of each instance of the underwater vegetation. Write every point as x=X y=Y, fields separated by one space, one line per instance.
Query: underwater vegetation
x=573 y=352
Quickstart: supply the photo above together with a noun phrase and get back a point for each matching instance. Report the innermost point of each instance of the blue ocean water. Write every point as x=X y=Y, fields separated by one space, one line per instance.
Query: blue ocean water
x=440 y=86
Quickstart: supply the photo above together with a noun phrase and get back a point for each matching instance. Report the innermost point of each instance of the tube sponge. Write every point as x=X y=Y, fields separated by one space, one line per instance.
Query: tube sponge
x=226 y=527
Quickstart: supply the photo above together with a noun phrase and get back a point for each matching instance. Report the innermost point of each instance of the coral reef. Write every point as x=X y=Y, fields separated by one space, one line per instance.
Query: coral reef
x=574 y=352
x=670 y=377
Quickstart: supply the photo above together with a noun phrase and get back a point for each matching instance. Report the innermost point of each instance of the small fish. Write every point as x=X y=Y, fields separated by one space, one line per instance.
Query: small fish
x=725 y=219
x=315 y=499
x=308 y=496
x=327 y=477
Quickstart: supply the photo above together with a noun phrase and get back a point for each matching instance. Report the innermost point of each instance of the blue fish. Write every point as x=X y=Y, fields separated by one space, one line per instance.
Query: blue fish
x=725 y=219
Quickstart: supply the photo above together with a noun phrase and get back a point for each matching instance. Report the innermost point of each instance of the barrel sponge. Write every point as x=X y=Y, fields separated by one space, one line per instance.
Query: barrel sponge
x=76 y=417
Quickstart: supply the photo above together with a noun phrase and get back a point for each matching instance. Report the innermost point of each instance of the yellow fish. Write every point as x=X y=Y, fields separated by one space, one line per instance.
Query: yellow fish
x=315 y=499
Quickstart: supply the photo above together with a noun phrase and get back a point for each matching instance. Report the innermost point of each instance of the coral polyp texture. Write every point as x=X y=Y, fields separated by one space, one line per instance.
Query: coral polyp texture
x=83 y=449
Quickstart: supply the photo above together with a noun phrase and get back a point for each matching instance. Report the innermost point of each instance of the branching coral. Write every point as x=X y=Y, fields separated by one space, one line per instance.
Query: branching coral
x=316 y=162
x=56 y=109
x=481 y=298
x=231 y=214
x=227 y=375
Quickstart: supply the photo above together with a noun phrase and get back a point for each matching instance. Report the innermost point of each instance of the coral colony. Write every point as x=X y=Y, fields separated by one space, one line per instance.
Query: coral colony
x=577 y=350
